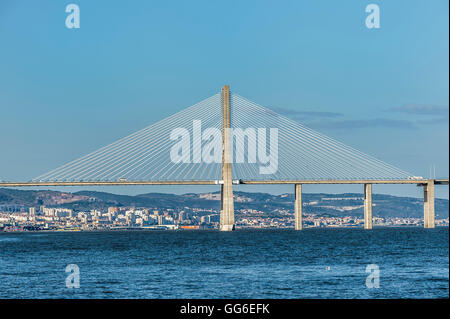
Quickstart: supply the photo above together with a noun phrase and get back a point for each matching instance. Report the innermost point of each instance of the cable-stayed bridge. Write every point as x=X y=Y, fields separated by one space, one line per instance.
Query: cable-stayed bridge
x=225 y=140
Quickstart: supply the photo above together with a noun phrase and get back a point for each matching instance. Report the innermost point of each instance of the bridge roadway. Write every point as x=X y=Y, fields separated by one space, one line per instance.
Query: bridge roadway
x=419 y=182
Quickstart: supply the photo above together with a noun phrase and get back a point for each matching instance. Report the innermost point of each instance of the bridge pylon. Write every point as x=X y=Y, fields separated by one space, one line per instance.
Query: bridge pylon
x=226 y=199
x=428 y=204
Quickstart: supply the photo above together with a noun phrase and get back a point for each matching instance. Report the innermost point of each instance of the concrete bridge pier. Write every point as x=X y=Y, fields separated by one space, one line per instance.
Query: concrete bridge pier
x=227 y=201
x=298 y=207
x=367 y=206
x=428 y=204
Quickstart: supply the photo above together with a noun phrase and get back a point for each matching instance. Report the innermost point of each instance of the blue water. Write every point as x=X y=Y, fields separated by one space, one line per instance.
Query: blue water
x=313 y=263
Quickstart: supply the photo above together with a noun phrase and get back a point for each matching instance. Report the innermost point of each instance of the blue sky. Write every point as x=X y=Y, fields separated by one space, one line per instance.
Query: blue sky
x=64 y=93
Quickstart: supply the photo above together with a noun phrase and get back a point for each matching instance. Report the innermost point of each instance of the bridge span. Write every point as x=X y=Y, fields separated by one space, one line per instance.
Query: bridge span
x=303 y=157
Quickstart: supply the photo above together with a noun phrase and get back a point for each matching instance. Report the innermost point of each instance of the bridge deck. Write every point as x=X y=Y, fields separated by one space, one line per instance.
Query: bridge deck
x=213 y=182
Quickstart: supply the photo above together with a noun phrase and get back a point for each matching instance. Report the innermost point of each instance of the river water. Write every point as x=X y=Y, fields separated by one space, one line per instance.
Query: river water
x=313 y=263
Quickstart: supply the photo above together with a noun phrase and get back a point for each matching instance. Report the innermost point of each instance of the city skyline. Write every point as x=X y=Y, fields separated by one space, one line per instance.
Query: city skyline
x=87 y=211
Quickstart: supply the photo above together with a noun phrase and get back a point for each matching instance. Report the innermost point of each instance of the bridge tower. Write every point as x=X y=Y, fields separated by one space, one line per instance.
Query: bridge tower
x=428 y=204
x=298 y=207
x=226 y=199
x=368 y=219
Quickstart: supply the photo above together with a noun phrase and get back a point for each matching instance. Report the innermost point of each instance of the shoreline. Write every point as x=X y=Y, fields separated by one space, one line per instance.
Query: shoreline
x=210 y=229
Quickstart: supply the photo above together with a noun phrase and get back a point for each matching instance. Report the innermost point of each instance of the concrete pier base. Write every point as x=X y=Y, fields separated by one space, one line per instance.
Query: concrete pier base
x=298 y=207
x=226 y=227
x=428 y=204
x=367 y=206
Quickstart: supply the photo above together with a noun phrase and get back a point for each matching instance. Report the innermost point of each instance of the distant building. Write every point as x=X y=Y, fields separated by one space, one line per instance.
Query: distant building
x=112 y=210
x=32 y=213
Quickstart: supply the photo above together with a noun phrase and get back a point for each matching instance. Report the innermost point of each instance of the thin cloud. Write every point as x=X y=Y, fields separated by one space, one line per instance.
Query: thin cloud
x=421 y=109
x=336 y=121
x=434 y=121
x=306 y=115
x=367 y=123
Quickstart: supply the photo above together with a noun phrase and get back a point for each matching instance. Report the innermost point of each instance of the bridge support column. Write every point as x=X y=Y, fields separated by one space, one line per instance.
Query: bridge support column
x=428 y=204
x=298 y=207
x=227 y=202
x=367 y=206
